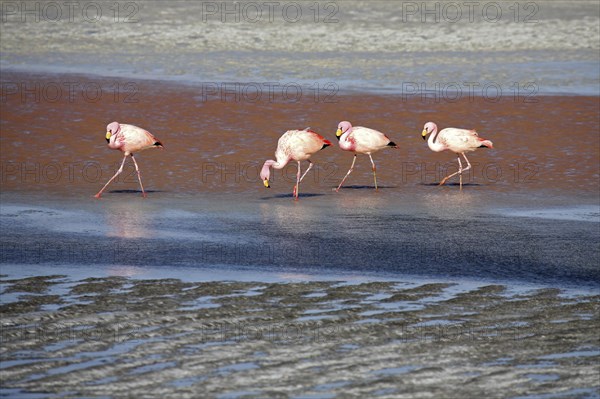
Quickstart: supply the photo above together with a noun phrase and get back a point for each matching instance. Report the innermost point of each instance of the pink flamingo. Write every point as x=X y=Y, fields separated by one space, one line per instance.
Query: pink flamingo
x=128 y=139
x=361 y=140
x=458 y=141
x=296 y=145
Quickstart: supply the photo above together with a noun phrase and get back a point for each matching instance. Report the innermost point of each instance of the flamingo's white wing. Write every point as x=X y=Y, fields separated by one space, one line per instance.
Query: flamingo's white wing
x=459 y=140
x=368 y=140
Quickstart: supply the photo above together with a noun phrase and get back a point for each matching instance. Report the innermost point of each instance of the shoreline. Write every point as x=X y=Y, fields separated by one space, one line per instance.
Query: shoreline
x=441 y=91
x=276 y=275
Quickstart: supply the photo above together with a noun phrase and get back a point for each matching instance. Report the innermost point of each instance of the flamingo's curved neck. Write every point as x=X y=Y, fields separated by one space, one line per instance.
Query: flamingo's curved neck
x=279 y=164
x=115 y=141
x=432 y=141
x=345 y=143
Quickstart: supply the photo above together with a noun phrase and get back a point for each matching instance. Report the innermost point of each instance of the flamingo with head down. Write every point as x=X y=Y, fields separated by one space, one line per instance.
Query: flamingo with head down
x=128 y=139
x=294 y=145
x=361 y=140
x=458 y=141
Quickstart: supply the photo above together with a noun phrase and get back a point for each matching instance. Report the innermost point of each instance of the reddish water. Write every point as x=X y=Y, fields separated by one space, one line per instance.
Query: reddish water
x=54 y=142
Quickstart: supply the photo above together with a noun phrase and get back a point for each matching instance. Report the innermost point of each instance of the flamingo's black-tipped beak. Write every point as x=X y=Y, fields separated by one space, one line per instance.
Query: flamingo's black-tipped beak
x=424 y=134
x=266 y=183
x=338 y=134
x=108 y=134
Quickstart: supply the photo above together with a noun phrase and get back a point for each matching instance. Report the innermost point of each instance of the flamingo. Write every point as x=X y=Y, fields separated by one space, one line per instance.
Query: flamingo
x=128 y=139
x=294 y=145
x=361 y=140
x=458 y=141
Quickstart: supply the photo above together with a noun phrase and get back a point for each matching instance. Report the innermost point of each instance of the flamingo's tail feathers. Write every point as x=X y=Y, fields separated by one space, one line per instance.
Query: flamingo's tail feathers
x=158 y=144
x=326 y=143
x=486 y=143
x=392 y=144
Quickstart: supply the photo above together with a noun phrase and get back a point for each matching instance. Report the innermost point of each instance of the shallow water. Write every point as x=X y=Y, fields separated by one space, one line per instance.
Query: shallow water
x=382 y=46
x=357 y=231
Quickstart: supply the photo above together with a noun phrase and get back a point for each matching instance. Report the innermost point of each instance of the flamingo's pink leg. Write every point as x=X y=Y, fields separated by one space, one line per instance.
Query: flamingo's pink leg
x=295 y=193
x=458 y=172
x=347 y=174
x=467 y=168
x=310 y=165
x=139 y=176
x=112 y=178
x=374 y=171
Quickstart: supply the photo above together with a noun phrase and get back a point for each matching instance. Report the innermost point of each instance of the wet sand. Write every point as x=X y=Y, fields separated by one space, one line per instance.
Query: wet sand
x=412 y=291
x=116 y=337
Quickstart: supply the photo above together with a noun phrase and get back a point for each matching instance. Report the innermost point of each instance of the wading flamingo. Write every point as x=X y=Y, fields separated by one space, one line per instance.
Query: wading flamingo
x=128 y=139
x=458 y=141
x=294 y=145
x=361 y=140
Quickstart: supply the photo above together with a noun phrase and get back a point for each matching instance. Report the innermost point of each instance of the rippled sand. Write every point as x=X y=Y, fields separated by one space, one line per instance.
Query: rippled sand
x=117 y=336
